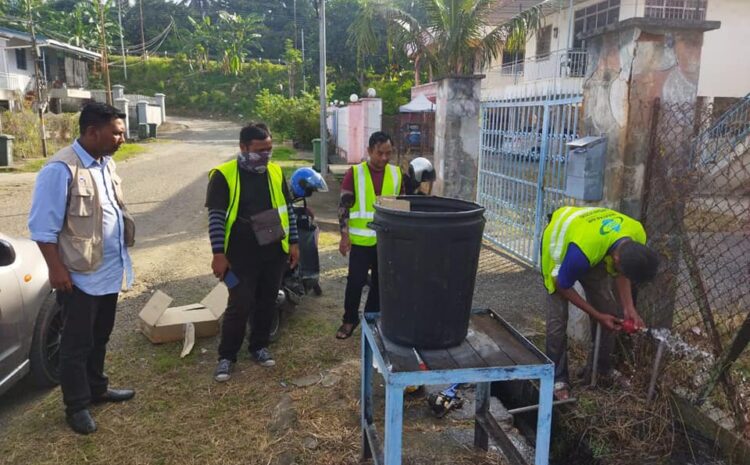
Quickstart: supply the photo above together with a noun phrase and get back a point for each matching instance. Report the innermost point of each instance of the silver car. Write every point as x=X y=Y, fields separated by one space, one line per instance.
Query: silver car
x=30 y=316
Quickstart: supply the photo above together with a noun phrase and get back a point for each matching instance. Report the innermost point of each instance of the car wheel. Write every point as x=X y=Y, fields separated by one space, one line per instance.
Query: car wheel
x=45 y=345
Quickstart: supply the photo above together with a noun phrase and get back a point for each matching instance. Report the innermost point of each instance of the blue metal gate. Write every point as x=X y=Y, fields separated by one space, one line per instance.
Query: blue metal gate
x=522 y=167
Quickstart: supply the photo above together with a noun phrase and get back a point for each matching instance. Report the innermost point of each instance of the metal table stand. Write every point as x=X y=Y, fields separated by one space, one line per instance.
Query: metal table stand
x=492 y=351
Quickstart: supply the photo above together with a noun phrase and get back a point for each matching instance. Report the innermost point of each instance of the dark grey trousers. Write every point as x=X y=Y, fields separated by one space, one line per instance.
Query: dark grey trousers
x=600 y=293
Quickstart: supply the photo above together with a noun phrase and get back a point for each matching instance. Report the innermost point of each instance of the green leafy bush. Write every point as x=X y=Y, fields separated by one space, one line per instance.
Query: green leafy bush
x=290 y=118
x=191 y=90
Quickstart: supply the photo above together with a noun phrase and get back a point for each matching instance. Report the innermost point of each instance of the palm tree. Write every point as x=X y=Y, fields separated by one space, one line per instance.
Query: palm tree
x=456 y=38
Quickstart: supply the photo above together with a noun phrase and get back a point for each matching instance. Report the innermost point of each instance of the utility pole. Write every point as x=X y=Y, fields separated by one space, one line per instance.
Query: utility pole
x=122 y=40
x=323 y=102
x=40 y=104
x=304 y=84
x=105 y=60
x=295 y=23
x=143 y=35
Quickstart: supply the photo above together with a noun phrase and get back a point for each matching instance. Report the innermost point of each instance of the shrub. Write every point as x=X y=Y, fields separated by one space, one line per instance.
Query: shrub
x=290 y=118
x=24 y=125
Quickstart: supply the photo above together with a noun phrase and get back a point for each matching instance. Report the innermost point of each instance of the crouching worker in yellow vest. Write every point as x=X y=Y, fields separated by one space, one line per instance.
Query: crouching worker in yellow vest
x=605 y=251
x=253 y=235
x=361 y=186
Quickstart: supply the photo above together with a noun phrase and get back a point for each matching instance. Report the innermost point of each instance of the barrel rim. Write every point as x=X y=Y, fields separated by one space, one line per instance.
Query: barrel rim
x=479 y=211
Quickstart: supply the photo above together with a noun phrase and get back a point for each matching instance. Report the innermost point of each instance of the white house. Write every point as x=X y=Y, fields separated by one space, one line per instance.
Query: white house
x=555 y=53
x=62 y=65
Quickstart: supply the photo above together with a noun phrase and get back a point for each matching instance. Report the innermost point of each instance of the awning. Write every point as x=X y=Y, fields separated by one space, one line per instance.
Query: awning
x=420 y=104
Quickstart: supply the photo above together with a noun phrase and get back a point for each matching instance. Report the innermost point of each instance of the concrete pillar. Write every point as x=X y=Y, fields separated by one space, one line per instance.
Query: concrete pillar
x=118 y=91
x=122 y=105
x=457 y=136
x=142 y=112
x=630 y=65
x=161 y=100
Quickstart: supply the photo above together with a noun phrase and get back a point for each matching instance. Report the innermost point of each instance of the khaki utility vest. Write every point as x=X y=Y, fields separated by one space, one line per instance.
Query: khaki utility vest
x=80 y=241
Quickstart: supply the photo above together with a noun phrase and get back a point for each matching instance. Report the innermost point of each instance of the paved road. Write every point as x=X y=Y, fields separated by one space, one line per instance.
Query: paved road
x=165 y=191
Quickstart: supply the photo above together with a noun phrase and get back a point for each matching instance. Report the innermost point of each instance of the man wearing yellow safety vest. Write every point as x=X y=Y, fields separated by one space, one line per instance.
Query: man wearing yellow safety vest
x=253 y=235
x=605 y=251
x=361 y=186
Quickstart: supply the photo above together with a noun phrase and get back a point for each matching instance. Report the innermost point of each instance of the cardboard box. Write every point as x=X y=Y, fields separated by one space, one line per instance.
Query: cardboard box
x=161 y=323
x=394 y=203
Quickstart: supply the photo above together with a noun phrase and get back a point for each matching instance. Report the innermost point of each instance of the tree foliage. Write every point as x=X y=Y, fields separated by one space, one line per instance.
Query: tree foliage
x=455 y=36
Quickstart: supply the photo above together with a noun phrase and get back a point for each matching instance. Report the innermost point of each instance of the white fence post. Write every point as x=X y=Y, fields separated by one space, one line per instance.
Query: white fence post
x=142 y=119
x=118 y=91
x=161 y=101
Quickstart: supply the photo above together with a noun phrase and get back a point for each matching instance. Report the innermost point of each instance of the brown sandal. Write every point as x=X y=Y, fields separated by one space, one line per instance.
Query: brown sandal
x=343 y=332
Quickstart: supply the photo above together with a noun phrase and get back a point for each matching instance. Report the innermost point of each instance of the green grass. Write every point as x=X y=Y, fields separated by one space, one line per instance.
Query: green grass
x=289 y=167
x=126 y=151
x=283 y=153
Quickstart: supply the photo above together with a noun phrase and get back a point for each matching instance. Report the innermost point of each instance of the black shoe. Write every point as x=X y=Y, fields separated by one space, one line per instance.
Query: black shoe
x=81 y=422
x=114 y=395
x=263 y=357
x=223 y=370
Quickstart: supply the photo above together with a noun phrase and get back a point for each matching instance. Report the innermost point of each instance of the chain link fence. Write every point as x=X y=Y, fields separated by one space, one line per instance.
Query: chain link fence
x=697 y=214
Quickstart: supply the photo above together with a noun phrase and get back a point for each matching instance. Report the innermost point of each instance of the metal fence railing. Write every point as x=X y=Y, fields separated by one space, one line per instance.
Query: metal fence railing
x=566 y=63
x=688 y=10
x=697 y=215
x=10 y=81
x=522 y=162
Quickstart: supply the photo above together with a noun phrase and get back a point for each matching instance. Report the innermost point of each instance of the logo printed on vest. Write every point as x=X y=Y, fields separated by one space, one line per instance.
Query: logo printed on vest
x=611 y=225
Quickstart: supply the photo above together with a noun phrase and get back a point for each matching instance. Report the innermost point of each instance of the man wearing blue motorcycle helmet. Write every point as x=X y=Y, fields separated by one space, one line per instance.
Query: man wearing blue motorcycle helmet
x=305 y=181
x=360 y=188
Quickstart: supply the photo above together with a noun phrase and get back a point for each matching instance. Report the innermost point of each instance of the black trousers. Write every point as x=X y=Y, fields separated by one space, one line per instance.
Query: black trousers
x=254 y=297
x=87 y=323
x=361 y=260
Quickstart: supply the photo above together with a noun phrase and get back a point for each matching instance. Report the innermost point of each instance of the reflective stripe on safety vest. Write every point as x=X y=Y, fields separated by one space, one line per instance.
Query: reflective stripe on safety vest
x=231 y=173
x=593 y=230
x=363 y=210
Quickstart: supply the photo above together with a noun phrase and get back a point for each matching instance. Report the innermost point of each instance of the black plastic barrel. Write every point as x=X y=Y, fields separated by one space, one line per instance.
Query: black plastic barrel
x=427 y=267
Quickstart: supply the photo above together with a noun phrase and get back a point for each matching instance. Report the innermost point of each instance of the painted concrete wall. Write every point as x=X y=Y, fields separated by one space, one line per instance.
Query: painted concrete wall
x=342 y=119
x=457 y=137
x=725 y=66
x=355 y=123
x=429 y=90
x=373 y=119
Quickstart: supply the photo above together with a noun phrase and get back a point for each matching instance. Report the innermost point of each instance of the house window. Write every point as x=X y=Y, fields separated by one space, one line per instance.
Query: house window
x=543 y=41
x=21 y=58
x=594 y=17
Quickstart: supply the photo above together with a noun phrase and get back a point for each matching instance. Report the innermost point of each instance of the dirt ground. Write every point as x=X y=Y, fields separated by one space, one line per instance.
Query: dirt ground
x=180 y=415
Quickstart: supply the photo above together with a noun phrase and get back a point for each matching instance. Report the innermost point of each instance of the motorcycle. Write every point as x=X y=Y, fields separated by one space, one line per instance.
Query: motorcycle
x=305 y=277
